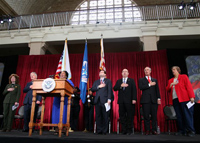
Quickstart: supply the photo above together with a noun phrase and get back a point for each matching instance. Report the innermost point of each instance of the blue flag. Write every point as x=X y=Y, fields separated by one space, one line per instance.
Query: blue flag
x=84 y=75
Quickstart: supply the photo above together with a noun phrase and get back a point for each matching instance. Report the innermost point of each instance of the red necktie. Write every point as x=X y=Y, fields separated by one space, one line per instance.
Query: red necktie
x=149 y=79
x=101 y=81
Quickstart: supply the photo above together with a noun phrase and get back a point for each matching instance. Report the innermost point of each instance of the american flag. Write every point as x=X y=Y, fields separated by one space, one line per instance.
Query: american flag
x=102 y=65
x=59 y=67
x=64 y=64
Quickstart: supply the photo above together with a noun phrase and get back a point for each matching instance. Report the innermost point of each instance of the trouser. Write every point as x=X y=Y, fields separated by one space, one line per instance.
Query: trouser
x=8 y=115
x=184 y=116
x=126 y=113
x=74 y=115
x=27 y=115
x=101 y=118
x=150 y=109
x=89 y=117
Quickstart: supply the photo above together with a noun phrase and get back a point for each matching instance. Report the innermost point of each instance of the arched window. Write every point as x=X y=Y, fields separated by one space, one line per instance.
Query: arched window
x=106 y=11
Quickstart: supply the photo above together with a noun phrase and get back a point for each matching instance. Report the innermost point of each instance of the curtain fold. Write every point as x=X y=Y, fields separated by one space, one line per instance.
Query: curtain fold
x=135 y=62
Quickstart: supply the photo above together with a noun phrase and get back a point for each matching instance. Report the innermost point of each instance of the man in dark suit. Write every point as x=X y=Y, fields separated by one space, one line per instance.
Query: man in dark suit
x=89 y=112
x=127 y=97
x=75 y=109
x=28 y=102
x=103 y=89
x=149 y=100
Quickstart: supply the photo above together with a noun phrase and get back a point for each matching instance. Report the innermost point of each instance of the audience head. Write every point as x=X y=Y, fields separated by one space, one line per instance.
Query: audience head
x=33 y=75
x=176 y=70
x=63 y=75
x=102 y=74
x=13 y=79
x=147 y=71
x=125 y=73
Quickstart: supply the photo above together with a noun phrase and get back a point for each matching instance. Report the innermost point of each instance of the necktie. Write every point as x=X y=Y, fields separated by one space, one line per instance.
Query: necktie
x=124 y=81
x=149 y=79
x=101 y=81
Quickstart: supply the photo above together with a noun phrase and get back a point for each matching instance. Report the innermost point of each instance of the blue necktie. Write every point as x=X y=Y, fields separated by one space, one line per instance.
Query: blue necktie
x=124 y=82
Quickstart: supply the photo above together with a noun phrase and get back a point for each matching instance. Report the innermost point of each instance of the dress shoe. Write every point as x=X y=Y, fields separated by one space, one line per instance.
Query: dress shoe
x=191 y=134
x=104 y=133
x=70 y=130
x=128 y=133
x=123 y=133
x=3 y=130
x=85 y=131
x=8 y=130
x=179 y=134
x=99 y=133
x=154 y=133
x=24 y=130
x=147 y=133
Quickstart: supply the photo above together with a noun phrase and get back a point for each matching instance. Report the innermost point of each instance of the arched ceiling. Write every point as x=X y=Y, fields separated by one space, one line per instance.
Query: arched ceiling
x=24 y=7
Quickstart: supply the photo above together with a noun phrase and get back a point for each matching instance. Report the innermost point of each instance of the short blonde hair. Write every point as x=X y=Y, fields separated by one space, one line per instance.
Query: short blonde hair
x=177 y=68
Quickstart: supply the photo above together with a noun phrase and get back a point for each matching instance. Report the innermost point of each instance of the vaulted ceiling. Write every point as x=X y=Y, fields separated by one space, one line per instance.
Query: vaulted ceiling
x=24 y=7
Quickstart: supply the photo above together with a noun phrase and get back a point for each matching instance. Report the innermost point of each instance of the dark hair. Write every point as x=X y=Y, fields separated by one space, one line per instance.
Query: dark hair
x=16 y=77
x=177 y=68
x=66 y=73
x=103 y=70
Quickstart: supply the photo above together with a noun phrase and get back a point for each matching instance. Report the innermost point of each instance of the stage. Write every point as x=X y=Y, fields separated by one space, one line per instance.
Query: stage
x=77 y=137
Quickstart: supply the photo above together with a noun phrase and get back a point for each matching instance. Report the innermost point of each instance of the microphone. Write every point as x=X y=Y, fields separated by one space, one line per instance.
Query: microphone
x=52 y=76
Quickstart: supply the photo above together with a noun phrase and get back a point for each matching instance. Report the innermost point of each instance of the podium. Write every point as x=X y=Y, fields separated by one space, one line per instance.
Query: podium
x=62 y=89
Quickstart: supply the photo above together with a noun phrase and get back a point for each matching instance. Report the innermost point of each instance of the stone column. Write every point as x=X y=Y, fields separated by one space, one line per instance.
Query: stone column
x=149 y=43
x=37 y=48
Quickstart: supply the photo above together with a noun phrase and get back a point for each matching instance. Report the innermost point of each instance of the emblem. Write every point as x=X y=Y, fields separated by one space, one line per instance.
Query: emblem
x=48 y=84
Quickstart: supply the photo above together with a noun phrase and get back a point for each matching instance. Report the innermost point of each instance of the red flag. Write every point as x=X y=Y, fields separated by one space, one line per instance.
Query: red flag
x=102 y=65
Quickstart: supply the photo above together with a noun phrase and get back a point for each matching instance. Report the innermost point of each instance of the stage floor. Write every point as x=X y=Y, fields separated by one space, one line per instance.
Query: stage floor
x=76 y=137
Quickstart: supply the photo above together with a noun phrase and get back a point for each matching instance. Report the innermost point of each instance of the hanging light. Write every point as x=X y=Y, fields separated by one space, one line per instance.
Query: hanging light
x=10 y=20
x=192 y=5
x=181 y=6
x=2 y=21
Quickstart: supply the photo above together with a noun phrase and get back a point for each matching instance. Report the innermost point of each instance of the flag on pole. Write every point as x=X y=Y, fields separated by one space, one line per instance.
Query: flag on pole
x=102 y=65
x=64 y=64
x=84 y=75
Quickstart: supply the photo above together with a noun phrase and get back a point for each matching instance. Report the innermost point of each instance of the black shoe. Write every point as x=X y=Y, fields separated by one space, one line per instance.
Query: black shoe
x=191 y=134
x=179 y=134
x=3 y=130
x=129 y=133
x=8 y=130
x=99 y=133
x=104 y=133
x=24 y=130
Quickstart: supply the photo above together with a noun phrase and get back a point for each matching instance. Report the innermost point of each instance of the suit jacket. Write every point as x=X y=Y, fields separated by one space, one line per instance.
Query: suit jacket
x=12 y=96
x=183 y=89
x=128 y=94
x=149 y=94
x=75 y=100
x=29 y=95
x=104 y=93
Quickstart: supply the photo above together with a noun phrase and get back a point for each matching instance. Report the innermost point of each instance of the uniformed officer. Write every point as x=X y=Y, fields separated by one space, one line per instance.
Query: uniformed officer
x=12 y=95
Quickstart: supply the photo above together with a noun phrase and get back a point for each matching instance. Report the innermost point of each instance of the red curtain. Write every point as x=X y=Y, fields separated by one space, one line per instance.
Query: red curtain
x=135 y=62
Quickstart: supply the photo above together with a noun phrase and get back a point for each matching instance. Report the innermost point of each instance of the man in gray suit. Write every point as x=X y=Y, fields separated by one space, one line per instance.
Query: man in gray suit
x=103 y=89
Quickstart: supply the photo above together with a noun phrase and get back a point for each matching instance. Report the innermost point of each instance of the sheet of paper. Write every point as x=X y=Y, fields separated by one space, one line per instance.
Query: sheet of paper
x=14 y=107
x=107 y=107
x=190 y=104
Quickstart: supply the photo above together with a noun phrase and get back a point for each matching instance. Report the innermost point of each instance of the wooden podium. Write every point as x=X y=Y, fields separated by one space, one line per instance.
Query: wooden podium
x=62 y=89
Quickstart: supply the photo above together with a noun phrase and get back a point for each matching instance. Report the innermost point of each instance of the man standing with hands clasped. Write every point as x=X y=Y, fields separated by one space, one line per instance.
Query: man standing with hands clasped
x=149 y=100
x=127 y=96
x=103 y=89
